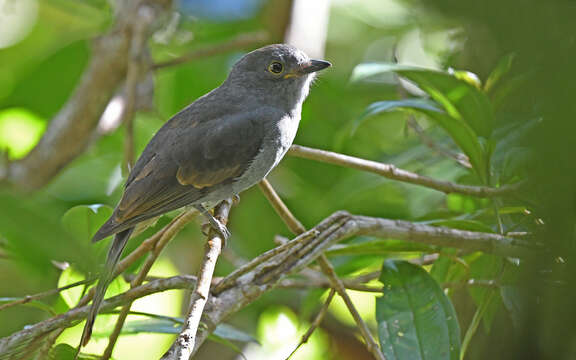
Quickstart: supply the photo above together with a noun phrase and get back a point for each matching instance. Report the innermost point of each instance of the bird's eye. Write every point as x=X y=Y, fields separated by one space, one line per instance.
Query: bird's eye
x=276 y=67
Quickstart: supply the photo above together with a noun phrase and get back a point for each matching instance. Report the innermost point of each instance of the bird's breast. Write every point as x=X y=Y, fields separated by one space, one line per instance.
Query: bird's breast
x=278 y=139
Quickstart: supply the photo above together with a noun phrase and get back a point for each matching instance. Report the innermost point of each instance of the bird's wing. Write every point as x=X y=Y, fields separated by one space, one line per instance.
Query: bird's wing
x=184 y=161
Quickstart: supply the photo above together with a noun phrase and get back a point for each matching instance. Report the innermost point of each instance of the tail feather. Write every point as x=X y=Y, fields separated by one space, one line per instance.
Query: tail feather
x=114 y=253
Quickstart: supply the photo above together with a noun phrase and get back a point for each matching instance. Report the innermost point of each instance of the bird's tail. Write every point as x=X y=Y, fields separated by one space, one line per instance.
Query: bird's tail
x=120 y=240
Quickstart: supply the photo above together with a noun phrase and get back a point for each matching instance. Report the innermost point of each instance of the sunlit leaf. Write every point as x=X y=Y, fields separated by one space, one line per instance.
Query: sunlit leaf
x=20 y=130
x=72 y=295
x=416 y=320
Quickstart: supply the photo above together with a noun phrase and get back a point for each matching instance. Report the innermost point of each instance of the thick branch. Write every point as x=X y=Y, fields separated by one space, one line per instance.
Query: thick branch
x=392 y=172
x=71 y=130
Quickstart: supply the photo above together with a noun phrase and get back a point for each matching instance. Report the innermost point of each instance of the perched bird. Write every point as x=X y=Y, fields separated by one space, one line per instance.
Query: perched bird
x=223 y=143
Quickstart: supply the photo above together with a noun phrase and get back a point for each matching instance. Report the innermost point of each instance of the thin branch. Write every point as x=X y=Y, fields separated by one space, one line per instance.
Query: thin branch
x=392 y=172
x=317 y=320
x=183 y=346
x=43 y=294
x=136 y=71
x=241 y=41
x=297 y=228
x=71 y=130
x=432 y=145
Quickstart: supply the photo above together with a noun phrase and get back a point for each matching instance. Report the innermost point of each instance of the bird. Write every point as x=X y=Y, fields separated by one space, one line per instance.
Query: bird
x=221 y=144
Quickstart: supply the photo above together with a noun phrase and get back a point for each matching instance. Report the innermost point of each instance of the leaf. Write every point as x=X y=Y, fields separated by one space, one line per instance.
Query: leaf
x=171 y=325
x=377 y=247
x=460 y=99
x=230 y=332
x=84 y=220
x=159 y=326
x=66 y=352
x=502 y=68
x=392 y=105
x=486 y=267
x=416 y=320
x=461 y=224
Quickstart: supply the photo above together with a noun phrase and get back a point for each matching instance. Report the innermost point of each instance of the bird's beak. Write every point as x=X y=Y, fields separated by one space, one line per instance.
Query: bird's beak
x=315 y=65
x=308 y=68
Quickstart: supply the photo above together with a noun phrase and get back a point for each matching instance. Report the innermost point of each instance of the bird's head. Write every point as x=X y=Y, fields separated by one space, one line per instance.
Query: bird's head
x=280 y=70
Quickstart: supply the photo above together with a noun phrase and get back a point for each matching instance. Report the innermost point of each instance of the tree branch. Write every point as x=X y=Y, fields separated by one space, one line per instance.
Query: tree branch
x=392 y=172
x=241 y=41
x=183 y=346
x=70 y=131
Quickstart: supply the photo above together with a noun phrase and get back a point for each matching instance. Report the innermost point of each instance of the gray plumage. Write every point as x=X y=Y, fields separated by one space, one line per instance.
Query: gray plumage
x=223 y=143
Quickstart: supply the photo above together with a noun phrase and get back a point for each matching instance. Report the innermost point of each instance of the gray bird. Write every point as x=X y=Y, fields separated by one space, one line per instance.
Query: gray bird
x=223 y=143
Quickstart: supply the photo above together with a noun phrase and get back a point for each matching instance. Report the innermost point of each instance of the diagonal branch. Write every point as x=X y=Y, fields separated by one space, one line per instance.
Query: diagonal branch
x=392 y=172
x=297 y=228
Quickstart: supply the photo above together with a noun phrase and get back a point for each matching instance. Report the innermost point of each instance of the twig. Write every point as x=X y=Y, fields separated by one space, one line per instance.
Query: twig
x=458 y=157
x=183 y=346
x=136 y=69
x=44 y=294
x=165 y=237
x=392 y=172
x=240 y=42
x=296 y=227
x=317 y=320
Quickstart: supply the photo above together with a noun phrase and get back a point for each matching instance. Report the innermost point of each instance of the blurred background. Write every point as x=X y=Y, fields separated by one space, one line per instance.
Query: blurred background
x=45 y=45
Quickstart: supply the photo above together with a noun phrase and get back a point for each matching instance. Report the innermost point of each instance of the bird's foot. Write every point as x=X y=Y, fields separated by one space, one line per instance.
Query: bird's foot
x=215 y=224
x=236 y=199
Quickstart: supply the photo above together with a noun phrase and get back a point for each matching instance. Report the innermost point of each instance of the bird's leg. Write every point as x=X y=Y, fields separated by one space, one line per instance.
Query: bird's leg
x=215 y=223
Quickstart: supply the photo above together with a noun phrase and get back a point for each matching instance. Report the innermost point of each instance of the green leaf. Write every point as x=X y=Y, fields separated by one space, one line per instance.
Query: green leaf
x=486 y=267
x=460 y=99
x=159 y=326
x=84 y=220
x=393 y=105
x=377 y=247
x=502 y=68
x=461 y=224
x=66 y=352
x=416 y=320
x=230 y=332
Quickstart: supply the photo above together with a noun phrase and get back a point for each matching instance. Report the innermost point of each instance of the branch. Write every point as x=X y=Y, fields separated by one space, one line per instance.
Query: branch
x=392 y=172
x=183 y=346
x=242 y=41
x=246 y=284
x=71 y=130
x=297 y=228
x=317 y=320
x=43 y=294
